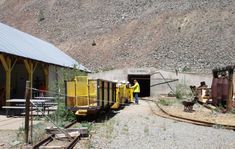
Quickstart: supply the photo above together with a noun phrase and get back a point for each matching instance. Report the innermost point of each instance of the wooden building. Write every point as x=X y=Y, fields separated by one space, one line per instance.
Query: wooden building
x=24 y=57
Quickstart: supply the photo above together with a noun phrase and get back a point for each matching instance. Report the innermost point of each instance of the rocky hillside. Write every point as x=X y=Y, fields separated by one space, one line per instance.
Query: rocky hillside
x=190 y=35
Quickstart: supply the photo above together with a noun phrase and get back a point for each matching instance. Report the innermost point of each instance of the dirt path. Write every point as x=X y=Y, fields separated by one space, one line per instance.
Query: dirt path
x=136 y=127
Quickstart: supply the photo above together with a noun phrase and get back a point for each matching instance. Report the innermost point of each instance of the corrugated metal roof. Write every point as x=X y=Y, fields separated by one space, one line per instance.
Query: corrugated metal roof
x=15 y=42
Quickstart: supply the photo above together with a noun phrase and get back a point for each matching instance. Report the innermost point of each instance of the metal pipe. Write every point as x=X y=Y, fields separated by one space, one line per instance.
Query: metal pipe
x=164 y=82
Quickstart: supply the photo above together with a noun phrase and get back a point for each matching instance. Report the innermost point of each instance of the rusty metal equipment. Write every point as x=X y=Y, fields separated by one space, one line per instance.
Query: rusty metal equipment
x=188 y=105
x=222 y=86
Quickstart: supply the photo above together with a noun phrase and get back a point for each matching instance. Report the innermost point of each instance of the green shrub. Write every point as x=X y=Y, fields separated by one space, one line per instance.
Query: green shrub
x=62 y=116
x=166 y=102
x=233 y=111
x=20 y=134
x=182 y=91
x=41 y=16
x=186 y=69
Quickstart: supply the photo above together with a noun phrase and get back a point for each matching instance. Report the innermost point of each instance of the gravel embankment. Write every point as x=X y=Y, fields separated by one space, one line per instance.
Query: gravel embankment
x=189 y=35
x=136 y=127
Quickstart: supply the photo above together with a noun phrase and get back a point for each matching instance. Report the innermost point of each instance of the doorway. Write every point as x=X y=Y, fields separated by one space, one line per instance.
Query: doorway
x=144 y=82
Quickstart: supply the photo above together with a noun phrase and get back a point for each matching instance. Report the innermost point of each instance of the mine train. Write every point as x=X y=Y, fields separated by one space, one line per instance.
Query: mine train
x=89 y=96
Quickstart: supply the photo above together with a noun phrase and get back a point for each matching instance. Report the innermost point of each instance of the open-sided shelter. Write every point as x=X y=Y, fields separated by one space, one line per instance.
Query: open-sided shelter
x=25 y=57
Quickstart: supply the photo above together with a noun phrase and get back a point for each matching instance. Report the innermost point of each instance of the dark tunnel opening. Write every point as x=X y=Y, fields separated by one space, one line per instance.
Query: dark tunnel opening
x=144 y=82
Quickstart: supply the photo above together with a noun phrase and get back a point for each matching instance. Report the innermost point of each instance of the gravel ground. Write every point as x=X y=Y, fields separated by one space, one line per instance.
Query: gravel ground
x=137 y=127
x=7 y=139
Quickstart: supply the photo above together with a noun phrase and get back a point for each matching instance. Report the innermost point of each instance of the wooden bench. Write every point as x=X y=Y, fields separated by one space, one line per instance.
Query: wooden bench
x=14 y=109
x=51 y=108
x=18 y=105
x=50 y=104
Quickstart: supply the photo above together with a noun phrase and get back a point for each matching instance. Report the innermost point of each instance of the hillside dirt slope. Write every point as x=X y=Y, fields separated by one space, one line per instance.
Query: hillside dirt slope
x=190 y=35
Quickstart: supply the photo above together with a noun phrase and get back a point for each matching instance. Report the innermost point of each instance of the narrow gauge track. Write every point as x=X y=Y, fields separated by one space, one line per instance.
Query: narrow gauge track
x=162 y=113
x=50 y=139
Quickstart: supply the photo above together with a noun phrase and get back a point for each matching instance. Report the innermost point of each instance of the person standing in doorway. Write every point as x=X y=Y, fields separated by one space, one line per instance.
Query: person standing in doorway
x=136 y=91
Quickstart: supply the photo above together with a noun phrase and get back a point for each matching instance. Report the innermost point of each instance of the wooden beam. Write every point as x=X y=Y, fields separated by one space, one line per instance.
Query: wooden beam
x=13 y=65
x=27 y=66
x=27 y=104
x=52 y=147
x=71 y=134
x=35 y=66
x=230 y=91
x=30 y=69
x=4 y=62
x=8 y=78
x=8 y=84
x=46 y=74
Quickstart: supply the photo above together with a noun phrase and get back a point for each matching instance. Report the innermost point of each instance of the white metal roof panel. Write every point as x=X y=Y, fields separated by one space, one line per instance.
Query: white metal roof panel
x=15 y=42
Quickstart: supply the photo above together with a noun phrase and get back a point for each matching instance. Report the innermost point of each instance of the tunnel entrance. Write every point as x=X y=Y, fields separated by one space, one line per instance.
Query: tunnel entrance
x=144 y=81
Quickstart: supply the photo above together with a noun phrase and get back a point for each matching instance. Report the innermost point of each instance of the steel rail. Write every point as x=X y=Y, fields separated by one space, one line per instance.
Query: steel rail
x=165 y=114
x=50 y=137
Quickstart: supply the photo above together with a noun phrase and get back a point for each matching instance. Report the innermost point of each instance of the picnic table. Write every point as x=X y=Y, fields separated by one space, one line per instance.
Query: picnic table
x=18 y=105
x=23 y=100
x=45 y=97
x=50 y=100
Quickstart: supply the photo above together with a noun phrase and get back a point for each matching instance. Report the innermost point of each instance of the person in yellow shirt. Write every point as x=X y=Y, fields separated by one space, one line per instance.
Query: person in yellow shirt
x=136 y=91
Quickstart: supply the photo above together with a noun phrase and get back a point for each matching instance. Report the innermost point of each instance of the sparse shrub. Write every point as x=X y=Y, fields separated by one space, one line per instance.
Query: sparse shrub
x=125 y=129
x=186 y=69
x=147 y=118
x=109 y=129
x=38 y=133
x=146 y=130
x=182 y=91
x=166 y=102
x=171 y=94
x=218 y=126
x=37 y=118
x=41 y=16
x=107 y=69
x=233 y=111
x=219 y=108
x=62 y=116
x=164 y=126
x=20 y=134
x=87 y=125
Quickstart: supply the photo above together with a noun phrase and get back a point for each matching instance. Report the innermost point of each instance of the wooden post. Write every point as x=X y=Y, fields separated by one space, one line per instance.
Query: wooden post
x=8 y=84
x=27 y=104
x=88 y=94
x=230 y=91
x=75 y=81
x=46 y=75
x=6 y=62
x=8 y=66
x=30 y=67
x=31 y=115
